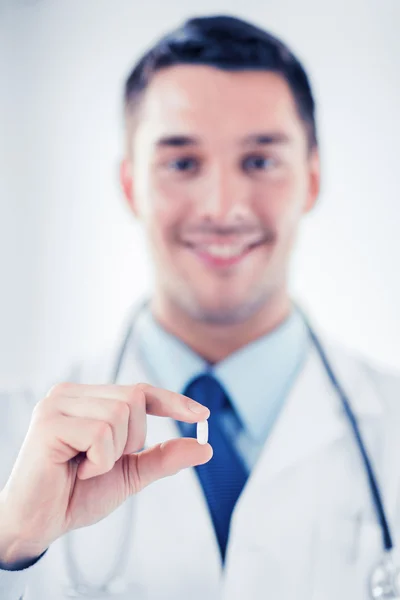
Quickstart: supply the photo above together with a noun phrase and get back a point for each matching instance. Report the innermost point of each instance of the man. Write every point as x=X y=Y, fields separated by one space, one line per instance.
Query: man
x=221 y=164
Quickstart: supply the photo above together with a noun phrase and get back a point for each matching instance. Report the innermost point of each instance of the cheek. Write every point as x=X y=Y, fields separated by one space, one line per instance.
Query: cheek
x=156 y=197
x=162 y=217
x=281 y=201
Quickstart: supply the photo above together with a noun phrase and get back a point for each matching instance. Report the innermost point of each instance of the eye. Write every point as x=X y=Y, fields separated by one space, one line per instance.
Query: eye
x=184 y=165
x=257 y=162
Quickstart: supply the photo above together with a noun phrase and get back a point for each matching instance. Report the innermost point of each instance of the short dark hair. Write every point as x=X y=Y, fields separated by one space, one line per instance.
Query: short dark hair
x=227 y=43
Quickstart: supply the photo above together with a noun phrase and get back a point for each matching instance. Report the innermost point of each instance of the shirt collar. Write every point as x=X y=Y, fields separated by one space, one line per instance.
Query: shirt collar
x=256 y=377
x=170 y=362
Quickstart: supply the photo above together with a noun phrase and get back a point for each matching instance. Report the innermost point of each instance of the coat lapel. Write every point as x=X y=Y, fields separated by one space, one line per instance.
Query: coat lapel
x=313 y=415
x=307 y=487
x=173 y=526
x=311 y=418
x=175 y=507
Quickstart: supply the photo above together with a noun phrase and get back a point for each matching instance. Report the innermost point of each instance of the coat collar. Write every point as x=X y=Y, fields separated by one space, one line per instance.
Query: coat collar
x=272 y=363
x=310 y=421
x=313 y=416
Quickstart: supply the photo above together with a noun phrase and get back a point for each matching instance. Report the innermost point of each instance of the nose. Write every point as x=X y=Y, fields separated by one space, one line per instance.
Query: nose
x=225 y=196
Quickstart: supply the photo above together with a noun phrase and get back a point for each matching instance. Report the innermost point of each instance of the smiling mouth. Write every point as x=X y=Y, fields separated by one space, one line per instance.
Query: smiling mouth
x=223 y=254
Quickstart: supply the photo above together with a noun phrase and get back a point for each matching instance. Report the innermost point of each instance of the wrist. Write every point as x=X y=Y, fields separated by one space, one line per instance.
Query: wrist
x=17 y=555
x=13 y=548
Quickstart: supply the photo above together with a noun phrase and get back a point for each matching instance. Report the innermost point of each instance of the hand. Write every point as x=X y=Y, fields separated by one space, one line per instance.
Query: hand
x=50 y=491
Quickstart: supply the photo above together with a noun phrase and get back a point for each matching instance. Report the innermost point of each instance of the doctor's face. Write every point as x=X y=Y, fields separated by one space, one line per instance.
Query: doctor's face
x=220 y=175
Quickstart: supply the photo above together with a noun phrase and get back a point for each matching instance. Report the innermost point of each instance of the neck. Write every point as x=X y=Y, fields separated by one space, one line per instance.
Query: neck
x=215 y=342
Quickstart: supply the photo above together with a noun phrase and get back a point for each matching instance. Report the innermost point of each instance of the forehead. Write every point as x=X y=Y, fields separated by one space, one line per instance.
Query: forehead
x=210 y=102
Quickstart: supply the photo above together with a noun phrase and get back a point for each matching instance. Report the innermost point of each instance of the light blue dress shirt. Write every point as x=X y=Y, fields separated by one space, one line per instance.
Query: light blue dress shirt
x=257 y=377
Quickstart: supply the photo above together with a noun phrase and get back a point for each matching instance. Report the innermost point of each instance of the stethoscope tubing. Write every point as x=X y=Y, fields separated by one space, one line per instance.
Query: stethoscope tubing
x=372 y=478
x=376 y=495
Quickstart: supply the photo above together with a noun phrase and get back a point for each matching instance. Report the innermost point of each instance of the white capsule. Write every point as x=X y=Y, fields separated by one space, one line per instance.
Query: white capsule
x=202 y=432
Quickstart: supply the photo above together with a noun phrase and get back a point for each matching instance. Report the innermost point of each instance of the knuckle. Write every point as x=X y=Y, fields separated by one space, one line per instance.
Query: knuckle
x=59 y=388
x=120 y=411
x=135 y=394
x=142 y=387
x=102 y=430
x=163 y=457
x=40 y=409
x=47 y=404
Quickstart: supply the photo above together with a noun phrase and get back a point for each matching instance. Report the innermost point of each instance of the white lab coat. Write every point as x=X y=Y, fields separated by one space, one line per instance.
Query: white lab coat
x=304 y=527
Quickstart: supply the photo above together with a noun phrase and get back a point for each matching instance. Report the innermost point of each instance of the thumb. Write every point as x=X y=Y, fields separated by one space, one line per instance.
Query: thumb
x=166 y=459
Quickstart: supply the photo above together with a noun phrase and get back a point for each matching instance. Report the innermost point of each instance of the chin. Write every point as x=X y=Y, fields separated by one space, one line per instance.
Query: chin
x=228 y=313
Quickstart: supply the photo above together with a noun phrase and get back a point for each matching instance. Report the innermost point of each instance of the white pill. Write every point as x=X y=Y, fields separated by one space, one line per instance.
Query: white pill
x=202 y=432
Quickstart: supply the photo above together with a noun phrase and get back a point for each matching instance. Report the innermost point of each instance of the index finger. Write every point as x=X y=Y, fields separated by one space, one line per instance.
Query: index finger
x=157 y=401
x=164 y=403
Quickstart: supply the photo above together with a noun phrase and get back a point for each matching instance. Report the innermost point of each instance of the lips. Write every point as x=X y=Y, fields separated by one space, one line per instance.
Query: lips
x=223 y=254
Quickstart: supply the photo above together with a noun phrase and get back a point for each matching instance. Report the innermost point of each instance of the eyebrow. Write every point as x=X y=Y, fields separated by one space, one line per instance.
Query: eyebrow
x=265 y=139
x=258 y=139
x=177 y=141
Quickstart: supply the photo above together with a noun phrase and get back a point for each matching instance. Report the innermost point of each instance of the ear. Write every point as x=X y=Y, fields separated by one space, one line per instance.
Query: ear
x=125 y=177
x=314 y=180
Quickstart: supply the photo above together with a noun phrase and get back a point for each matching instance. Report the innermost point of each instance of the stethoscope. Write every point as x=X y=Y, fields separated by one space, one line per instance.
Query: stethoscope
x=384 y=583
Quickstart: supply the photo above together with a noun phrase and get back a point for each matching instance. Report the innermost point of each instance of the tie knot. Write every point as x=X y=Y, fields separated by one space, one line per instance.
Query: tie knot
x=207 y=390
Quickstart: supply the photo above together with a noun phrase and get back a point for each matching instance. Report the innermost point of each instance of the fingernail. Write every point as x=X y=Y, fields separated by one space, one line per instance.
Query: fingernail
x=196 y=407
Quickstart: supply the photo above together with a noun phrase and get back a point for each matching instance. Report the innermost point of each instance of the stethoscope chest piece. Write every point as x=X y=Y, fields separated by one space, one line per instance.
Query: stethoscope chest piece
x=385 y=580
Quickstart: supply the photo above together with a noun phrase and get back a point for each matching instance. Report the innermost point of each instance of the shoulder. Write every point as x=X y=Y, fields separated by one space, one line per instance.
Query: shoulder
x=386 y=381
x=96 y=368
x=90 y=369
x=381 y=379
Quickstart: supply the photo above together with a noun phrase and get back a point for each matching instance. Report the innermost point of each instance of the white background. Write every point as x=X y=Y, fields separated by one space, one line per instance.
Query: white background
x=72 y=259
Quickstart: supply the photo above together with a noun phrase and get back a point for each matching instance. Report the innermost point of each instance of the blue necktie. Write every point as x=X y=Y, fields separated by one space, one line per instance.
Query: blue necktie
x=224 y=476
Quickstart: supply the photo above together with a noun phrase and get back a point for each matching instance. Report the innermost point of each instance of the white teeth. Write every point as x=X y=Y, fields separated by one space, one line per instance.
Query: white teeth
x=224 y=250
